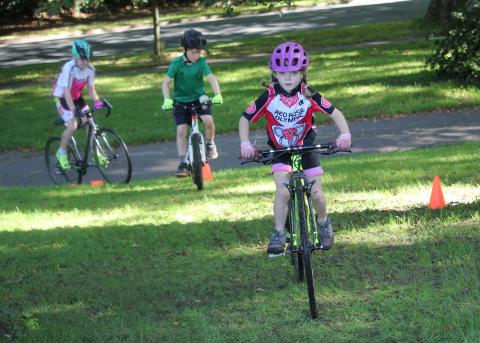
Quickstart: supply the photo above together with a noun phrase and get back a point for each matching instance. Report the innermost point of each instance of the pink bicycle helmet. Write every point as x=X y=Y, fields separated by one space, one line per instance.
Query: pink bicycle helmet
x=288 y=56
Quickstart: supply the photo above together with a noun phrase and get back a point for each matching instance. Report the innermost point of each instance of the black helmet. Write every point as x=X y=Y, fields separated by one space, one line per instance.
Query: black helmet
x=193 y=39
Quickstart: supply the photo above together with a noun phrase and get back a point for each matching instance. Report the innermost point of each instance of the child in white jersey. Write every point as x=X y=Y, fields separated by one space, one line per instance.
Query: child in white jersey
x=288 y=105
x=74 y=76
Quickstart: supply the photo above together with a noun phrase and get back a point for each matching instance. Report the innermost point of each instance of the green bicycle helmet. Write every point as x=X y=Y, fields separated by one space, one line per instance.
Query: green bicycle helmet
x=81 y=49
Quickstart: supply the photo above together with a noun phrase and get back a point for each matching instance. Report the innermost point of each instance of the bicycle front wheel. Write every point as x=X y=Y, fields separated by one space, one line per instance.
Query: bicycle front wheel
x=197 y=161
x=305 y=249
x=112 y=157
x=57 y=174
x=295 y=256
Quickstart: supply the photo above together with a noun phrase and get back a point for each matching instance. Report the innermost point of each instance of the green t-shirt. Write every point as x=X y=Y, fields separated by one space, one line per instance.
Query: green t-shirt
x=188 y=78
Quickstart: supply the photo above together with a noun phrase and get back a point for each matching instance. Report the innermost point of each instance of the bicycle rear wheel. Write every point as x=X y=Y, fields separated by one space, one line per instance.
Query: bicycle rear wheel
x=112 y=157
x=197 y=161
x=57 y=174
x=305 y=249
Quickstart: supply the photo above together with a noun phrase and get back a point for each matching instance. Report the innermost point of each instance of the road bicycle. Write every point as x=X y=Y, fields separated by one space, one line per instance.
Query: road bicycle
x=104 y=149
x=301 y=227
x=196 y=158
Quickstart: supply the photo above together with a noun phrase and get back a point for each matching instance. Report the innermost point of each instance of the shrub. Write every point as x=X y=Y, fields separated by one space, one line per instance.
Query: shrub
x=457 y=53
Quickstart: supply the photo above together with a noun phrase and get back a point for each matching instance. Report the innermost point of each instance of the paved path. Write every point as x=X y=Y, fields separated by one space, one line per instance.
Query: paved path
x=381 y=135
x=25 y=52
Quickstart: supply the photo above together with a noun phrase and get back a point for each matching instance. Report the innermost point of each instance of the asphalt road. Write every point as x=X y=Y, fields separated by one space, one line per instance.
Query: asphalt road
x=382 y=135
x=122 y=40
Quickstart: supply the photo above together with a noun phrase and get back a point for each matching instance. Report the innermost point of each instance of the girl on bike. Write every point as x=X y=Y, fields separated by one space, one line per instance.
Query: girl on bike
x=188 y=71
x=73 y=77
x=288 y=105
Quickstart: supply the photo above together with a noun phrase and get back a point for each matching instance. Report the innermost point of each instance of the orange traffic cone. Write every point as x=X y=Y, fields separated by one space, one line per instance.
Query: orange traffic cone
x=207 y=172
x=96 y=183
x=436 y=199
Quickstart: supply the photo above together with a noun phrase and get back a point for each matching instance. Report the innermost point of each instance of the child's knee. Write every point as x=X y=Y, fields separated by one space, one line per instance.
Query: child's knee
x=182 y=130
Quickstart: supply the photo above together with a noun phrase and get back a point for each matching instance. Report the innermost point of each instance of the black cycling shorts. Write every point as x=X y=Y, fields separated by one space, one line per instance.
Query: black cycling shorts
x=183 y=111
x=310 y=159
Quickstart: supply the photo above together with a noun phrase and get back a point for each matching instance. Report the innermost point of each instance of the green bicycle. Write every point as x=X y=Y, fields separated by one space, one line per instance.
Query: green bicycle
x=302 y=236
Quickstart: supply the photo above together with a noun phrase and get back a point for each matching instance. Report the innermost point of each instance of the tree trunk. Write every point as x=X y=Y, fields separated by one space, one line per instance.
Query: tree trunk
x=76 y=8
x=157 y=48
x=442 y=9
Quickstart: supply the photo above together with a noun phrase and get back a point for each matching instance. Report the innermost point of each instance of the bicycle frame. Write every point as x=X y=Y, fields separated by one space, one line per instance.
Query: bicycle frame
x=91 y=131
x=299 y=182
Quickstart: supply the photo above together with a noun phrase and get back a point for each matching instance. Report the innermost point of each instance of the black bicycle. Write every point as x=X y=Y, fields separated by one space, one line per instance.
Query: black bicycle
x=302 y=236
x=106 y=148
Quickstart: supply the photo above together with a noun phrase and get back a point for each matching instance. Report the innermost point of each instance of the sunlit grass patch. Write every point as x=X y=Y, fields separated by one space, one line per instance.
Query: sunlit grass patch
x=157 y=260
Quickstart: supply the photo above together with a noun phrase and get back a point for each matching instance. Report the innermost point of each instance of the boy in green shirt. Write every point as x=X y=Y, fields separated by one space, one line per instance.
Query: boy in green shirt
x=188 y=71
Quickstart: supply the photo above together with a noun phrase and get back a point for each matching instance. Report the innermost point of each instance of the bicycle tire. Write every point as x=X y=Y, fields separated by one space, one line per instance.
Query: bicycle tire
x=112 y=157
x=197 y=161
x=305 y=249
x=56 y=173
x=295 y=256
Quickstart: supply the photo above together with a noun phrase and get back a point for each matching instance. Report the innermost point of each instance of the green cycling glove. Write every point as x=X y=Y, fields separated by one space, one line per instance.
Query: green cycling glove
x=167 y=104
x=217 y=99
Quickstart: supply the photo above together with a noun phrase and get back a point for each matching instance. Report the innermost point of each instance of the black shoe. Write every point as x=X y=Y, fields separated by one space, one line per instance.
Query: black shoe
x=325 y=233
x=182 y=170
x=211 y=151
x=276 y=246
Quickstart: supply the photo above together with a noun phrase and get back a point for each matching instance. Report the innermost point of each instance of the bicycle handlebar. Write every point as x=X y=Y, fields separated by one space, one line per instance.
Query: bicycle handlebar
x=108 y=106
x=193 y=106
x=266 y=156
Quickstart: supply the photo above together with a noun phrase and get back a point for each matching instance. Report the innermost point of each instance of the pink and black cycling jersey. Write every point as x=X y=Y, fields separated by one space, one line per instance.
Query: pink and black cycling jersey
x=75 y=78
x=289 y=117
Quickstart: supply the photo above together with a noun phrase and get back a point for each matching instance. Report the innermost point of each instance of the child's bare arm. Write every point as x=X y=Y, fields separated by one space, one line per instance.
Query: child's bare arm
x=247 y=150
x=344 y=140
x=340 y=121
x=213 y=83
x=166 y=87
x=68 y=99
x=244 y=129
x=92 y=93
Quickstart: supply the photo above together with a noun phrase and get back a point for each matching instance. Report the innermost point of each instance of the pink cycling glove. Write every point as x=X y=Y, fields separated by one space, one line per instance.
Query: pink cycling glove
x=344 y=141
x=247 y=150
x=98 y=104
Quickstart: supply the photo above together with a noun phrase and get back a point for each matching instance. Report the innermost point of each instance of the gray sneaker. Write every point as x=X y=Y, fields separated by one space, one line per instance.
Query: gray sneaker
x=325 y=233
x=211 y=151
x=276 y=246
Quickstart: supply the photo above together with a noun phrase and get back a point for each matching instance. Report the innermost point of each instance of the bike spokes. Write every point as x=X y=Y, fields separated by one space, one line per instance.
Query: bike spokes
x=111 y=156
x=59 y=175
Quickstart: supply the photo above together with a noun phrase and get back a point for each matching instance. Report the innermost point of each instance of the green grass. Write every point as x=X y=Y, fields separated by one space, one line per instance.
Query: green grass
x=312 y=40
x=363 y=83
x=158 y=261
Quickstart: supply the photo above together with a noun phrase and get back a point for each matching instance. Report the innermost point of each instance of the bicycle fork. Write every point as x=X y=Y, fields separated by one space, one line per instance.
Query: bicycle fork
x=306 y=191
x=196 y=131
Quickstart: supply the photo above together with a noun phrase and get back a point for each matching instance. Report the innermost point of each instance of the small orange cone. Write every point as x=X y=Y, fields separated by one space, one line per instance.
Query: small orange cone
x=207 y=172
x=436 y=199
x=96 y=183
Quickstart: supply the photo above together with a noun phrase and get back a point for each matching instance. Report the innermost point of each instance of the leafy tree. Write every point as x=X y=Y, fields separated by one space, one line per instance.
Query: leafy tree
x=442 y=9
x=457 y=53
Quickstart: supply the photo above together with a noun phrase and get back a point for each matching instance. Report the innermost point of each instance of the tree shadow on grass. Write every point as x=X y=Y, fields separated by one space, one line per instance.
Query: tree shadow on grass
x=109 y=282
